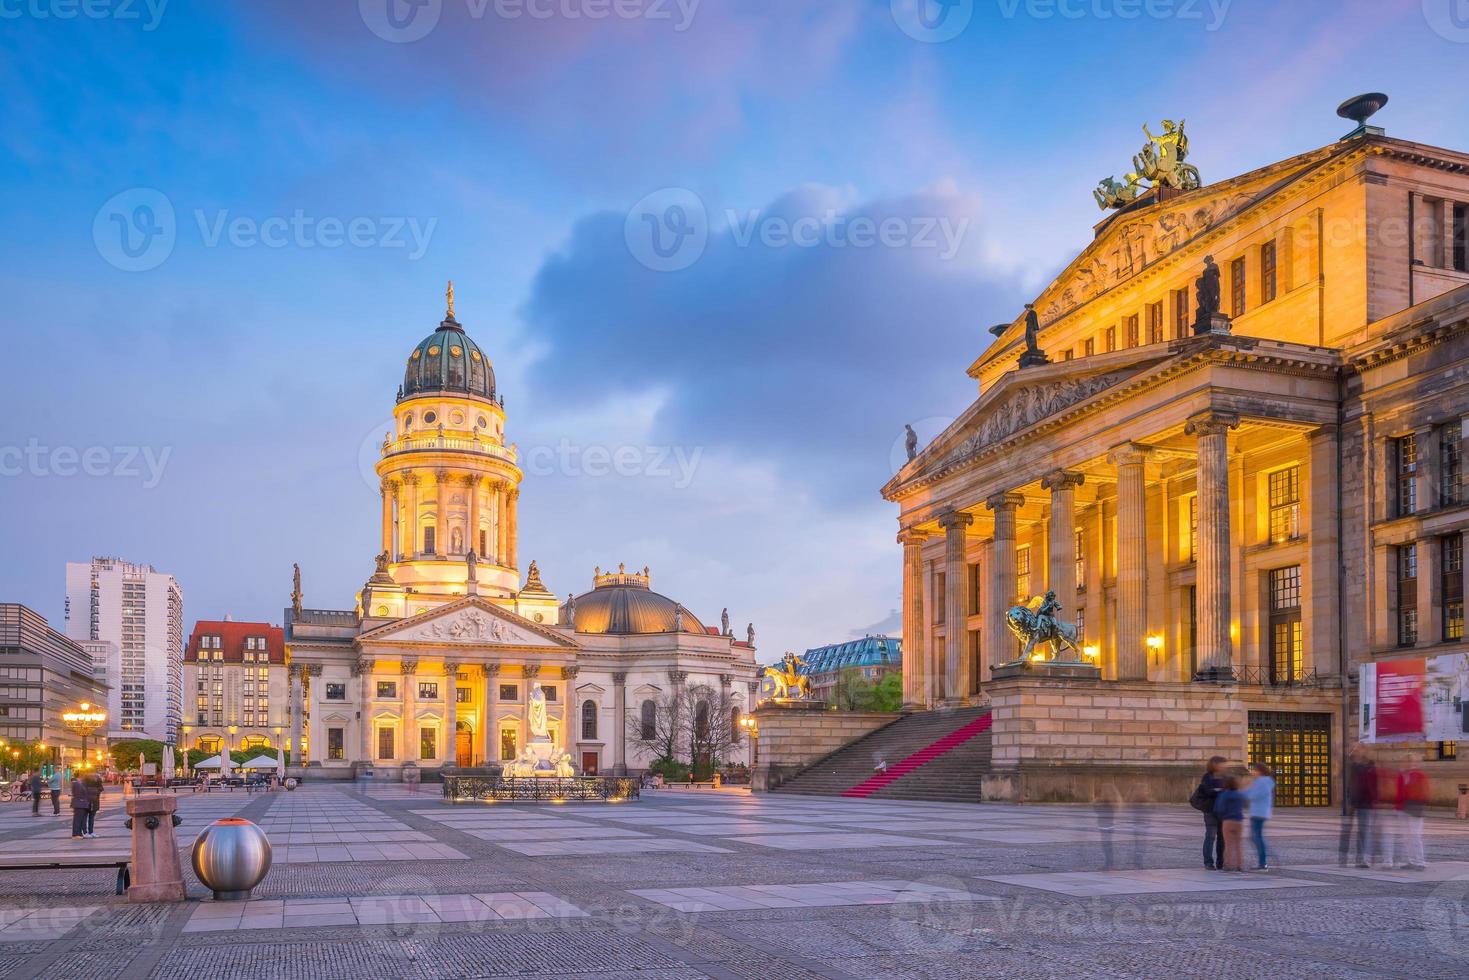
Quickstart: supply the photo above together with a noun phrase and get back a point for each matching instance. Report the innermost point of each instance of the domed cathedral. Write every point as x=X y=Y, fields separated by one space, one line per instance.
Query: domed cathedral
x=435 y=666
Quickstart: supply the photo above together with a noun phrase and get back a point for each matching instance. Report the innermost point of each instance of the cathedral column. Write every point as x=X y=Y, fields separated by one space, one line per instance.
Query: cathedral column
x=298 y=713
x=489 y=722
x=390 y=500
x=957 y=680
x=915 y=677
x=1215 y=648
x=474 y=483
x=512 y=533
x=500 y=525
x=449 y=751
x=362 y=670
x=408 y=671
x=619 y=713
x=1000 y=646
x=1131 y=652
x=1061 y=551
x=408 y=517
x=441 y=512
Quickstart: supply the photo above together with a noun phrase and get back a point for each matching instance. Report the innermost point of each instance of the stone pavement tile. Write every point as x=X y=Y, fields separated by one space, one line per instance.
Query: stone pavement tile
x=1088 y=884
x=614 y=846
x=552 y=833
x=1437 y=872
x=319 y=920
x=821 y=841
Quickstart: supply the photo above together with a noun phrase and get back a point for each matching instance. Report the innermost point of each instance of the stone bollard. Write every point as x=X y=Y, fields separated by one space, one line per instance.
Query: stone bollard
x=157 y=874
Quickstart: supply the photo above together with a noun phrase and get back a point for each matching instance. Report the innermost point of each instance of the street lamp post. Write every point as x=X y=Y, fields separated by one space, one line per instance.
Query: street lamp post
x=84 y=723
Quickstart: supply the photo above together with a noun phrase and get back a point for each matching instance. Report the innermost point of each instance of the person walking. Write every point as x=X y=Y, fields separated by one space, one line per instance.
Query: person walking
x=55 y=788
x=81 y=801
x=1361 y=794
x=95 y=787
x=1260 y=796
x=1385 y=817
x=38 y=785
x=1412 y=802
x=1211 y=784
x=1229 y=808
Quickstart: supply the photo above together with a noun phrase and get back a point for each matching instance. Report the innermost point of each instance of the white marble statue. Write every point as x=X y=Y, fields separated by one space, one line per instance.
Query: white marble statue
x=538 y=727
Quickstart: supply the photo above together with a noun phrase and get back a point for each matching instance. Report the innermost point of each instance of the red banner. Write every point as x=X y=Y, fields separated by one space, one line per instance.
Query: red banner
x=1400 y=697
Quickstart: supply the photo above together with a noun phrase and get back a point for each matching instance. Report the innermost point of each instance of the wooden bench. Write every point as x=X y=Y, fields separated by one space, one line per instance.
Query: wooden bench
x=81 y=859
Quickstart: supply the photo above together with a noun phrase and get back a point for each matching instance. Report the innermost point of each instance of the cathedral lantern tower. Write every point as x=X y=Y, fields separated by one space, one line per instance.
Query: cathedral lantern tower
x=450 y=482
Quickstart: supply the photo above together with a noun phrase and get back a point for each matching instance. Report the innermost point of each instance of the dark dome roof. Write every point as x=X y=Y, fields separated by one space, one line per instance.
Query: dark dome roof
x=624 y=604
x=448 y=361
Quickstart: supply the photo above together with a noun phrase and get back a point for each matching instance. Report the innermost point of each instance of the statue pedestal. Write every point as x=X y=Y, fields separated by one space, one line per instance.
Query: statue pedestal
x=1033 y=359
x=1062 y=669
x=1213 y=323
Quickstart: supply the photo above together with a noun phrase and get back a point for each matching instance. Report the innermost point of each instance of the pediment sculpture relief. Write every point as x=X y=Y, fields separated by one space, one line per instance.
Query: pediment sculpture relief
x=473 y=625
x=1027 y=406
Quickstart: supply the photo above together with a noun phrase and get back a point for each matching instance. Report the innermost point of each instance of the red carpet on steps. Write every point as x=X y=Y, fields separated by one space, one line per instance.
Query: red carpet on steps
x=927 y=754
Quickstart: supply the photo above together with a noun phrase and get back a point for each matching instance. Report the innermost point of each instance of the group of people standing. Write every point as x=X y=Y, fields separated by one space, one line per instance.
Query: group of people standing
x=1385 y=805
x=1225 y=798
x=86 y=797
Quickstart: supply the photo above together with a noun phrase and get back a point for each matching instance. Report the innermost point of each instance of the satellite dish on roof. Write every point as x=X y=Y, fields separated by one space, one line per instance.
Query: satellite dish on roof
x=1359 y=109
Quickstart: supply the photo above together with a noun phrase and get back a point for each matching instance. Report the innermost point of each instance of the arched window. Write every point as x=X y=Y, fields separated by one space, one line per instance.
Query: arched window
x=209 y=743
x=649 y=720
x=701 y=720
x=589 y=721
x=255 y=742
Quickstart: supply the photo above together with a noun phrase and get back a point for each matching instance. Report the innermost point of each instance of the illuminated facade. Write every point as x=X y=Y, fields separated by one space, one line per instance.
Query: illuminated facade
x=234 y=687
x=435 y=666
x=1235 y=517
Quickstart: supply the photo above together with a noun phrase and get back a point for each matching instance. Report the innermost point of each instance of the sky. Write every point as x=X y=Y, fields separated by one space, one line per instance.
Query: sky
x=719 y=252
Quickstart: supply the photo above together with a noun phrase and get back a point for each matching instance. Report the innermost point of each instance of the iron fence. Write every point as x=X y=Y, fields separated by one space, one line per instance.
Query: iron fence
x=542 y=789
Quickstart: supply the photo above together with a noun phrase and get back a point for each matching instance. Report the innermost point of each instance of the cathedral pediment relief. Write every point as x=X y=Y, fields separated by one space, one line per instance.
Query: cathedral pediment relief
x=471 y=621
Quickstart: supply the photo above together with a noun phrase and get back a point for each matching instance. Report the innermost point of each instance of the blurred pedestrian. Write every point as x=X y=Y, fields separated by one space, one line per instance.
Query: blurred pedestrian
x=1260 y=796
x=81 y=802
x=1412 y=803
x=1361 y=794
x=1229 y=808
x=1385 y=814
x=37 y=786
x=1106 y=809
x=54 y=785
x=1211 y=784
x=95 y=786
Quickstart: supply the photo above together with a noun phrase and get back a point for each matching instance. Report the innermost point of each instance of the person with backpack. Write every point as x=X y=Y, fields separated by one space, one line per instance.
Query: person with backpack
x=1211 y=784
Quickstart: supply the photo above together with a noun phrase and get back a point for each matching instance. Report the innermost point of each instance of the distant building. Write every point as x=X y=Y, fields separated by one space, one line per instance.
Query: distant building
x=141 y=611
x=42 y=676
x=874 y=656
x=236 y=687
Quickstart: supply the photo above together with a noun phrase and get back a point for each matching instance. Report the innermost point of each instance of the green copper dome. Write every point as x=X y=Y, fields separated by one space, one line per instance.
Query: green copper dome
x=448 y=361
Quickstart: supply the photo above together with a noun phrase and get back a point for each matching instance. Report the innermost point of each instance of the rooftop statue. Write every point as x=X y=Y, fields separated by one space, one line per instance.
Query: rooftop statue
x=1160 y=162
x=910 y=441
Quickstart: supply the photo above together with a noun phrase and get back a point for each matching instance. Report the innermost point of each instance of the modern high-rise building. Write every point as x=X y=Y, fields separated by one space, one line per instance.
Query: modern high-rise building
x=141 y=612
x=43 y=675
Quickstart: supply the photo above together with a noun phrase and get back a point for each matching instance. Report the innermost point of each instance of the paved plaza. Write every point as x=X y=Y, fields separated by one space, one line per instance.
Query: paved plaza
x=389 y=883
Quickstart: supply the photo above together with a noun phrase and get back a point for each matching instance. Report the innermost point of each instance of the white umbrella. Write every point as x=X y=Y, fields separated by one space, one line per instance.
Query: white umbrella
x=261 y=761
x=280 y=763
x=168 y=761
x=213 y=762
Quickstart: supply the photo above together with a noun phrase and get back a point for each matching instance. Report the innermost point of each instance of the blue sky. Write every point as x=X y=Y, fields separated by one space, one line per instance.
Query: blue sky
x=231 y=376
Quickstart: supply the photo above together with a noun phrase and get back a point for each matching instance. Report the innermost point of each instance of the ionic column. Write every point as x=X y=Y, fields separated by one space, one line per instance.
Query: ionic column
x=441 y=512
x=1321 y=642
x=490 y=722
x=1061 y=576
x=500 y=525
x=449 y=751
x=298 y=713
x=408 y=751
x=362 y=670
x=1000 y=646
x=619 y=711
x=1216 y=649
x=512 y=534
x=915 y=674
x=408 y=517
x=958 y=680
x=1132 y=562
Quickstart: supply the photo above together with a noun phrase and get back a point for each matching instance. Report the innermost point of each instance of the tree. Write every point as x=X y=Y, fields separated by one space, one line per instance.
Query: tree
x=659 y=732
x=125 y=752
x=855 y=692
x=712 y=728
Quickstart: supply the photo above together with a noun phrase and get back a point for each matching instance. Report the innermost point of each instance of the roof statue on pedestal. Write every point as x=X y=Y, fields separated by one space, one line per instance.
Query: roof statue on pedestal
x=724 y=622
x=296 y=588
x=750 y=634
x=910 y=441
x=1033 y=354
x=472 y=560
x=1207 y=318
x=1161 y=162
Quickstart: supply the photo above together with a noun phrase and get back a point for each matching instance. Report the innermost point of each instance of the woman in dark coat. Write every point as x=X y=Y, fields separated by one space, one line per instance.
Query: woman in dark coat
x=94 y=790
x=81 y=803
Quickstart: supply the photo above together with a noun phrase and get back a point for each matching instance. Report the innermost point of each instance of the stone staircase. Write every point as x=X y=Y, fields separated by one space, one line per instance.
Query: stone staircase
x=931 y=755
